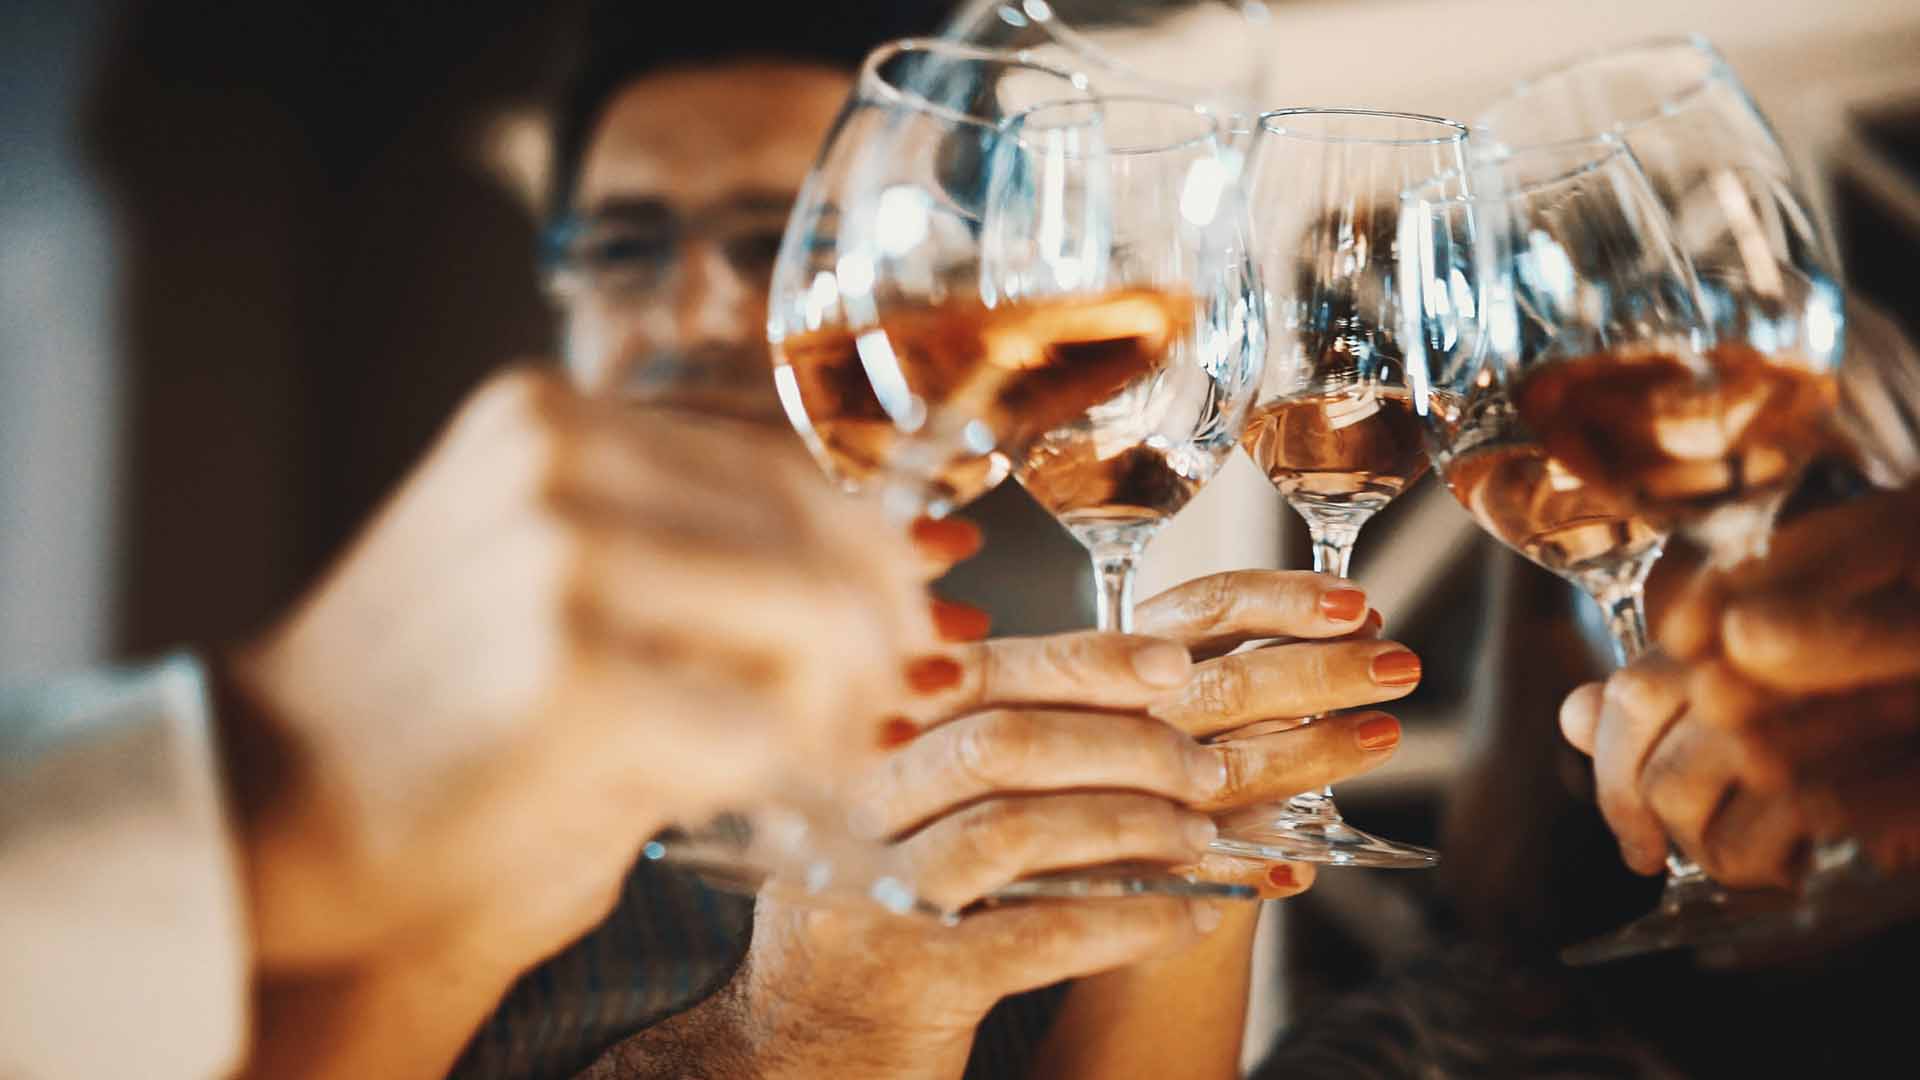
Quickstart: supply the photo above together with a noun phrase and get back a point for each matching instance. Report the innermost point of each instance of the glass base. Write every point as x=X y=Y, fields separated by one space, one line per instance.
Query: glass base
x=1699 y=914
x=1310 y=829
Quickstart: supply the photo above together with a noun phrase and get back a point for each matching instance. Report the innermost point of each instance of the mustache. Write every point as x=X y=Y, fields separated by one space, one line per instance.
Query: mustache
x=735 y=380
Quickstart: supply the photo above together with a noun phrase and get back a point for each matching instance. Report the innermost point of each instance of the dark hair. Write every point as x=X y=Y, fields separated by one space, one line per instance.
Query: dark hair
x=621 y=40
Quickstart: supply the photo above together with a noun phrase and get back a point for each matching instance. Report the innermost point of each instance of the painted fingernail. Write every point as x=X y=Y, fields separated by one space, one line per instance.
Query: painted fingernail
x=1208 y=768
x=931 y=673
x=1343 y=605
x=1281 y=877
x=959 y=622
x=897 y=731
x=1396 y=668
x=950 y=538
x=1201 y=831
x=1162 y=663
x=1379 y=732
x=1375 y=620
x=1206 y=916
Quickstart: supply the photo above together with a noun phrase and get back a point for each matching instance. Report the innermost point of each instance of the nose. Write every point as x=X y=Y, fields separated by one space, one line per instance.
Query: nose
x=715 y=306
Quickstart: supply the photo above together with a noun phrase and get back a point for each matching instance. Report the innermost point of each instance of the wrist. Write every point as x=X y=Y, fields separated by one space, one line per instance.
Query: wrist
x=796 y=1036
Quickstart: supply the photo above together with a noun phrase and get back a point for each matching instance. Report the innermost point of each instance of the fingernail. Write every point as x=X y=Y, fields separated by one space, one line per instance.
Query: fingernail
x=959 y=622
x=1381 y=732
x=931 y=673
x=1281 y=877
x=1208 y=768
x=1396 y=669
x=1206 y=916
x=897 y=731
x=1162 y=663
x=1375 y=620
x=950 y=537
x=1201 y=831
x=1343 y=605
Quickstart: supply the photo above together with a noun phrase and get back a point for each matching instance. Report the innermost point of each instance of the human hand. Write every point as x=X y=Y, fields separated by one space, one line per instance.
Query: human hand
x=567 y=626
x=1783 y=707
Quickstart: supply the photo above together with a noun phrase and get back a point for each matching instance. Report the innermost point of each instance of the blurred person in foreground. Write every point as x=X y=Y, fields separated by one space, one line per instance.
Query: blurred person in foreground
x=561 y=632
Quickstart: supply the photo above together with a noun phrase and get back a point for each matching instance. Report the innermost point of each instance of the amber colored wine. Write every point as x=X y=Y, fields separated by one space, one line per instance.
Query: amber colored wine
x=1678 y=446
x=1358 y=448
x=1066 y=474
x=1021 y=369
x=1539 y=508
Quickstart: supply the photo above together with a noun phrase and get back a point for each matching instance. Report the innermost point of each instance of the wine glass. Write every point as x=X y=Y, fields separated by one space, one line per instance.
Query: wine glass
x=1766 y=272
x=1154 y=48
x=898 y=356
x=1334 y=427
x=1139 y=222
x=1590 y=320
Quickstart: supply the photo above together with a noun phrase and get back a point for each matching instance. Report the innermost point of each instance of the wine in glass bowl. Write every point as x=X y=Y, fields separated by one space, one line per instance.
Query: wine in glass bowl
x=1679 y=447
x=1017 y=369
x=1339 y=451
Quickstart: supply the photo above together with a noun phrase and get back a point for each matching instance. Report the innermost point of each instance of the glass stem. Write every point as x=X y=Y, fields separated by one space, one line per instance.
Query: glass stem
x=1332 y=545
x=1114 y=567
x=1625 y=607
x=1332 y=554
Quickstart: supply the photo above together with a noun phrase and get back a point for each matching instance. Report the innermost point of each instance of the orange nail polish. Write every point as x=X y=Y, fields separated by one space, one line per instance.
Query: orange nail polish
x=1343 y=605
x=1375 y=620
x=948 y=538
x=1381 y=732
x=897 y=731
x=1400 y=668
x=931 y=673
x=1281 y=877
x=959 y=622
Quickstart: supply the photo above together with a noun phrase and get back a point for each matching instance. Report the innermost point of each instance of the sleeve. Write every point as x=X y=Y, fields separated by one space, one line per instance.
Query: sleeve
x=122 y=942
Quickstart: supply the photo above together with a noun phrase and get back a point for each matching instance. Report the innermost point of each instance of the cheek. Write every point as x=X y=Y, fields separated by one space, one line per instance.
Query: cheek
x=600 y=345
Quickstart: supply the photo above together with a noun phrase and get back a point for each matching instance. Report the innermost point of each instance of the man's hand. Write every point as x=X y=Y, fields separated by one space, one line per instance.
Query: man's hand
x=566 y=627
x=1045 y=754
x=1783 y=707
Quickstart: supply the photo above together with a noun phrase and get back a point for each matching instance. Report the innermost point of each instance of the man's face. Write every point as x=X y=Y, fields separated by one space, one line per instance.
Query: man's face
x=683 y=193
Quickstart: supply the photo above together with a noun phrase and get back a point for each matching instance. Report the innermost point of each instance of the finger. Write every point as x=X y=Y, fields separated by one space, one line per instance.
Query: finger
x=1022 y=947
x=1580 y=716
x=1272 y=880
x=1720 y=696
x=1267 y=768
x=1009 y=752
x=1087 y=670
x=957 y=622
x=1301 y=679
x=1638 y=706
x=1214 y=615
x=944 y=542
x=1875 y=532
x=1689 y=779
x=1821 y=738
x=967 y=854
x=1794 y=643
x=1758 y=840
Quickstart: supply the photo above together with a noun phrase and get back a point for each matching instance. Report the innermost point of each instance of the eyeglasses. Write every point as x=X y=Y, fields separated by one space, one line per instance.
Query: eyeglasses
x=634 y=247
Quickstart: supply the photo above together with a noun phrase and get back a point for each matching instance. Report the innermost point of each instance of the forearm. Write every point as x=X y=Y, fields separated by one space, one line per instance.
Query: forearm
x=744 y=1032
x=403 y=1020
x=1178 y=1015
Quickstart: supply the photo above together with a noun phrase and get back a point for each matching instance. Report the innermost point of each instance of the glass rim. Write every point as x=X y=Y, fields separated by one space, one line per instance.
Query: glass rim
x=1460 y=131
x=869 y=76
x=1608 y=146
x=1212 y=131
x=1667 y=104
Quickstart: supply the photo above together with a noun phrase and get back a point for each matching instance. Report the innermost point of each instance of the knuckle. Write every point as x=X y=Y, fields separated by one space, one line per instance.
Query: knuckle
x=1211 y=602
x=1221 y=688
x=997 y=749
x=996 y=832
